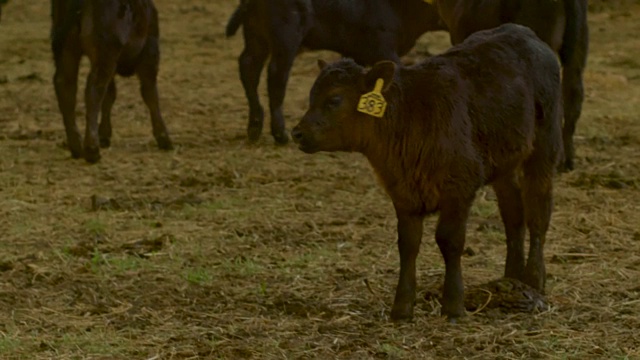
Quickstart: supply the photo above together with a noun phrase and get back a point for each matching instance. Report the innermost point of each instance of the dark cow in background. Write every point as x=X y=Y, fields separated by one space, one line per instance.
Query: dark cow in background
x=562 y=24
x=365 y=30
x=2 y=3
x=118 y=37
x=487 y=111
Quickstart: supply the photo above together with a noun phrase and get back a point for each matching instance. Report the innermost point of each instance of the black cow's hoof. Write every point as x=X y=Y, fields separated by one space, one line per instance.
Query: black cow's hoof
x=105 y=143
x=281 y=138
x=568 y=165
x=76 y=154
x=452 y=319
x=164 y=142
x=92 y=155
x=402 y=313
x=75 y=147
x=253 y=133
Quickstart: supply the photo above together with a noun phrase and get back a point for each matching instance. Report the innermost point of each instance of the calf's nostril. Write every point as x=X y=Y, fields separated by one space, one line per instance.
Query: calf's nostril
x=296 y=134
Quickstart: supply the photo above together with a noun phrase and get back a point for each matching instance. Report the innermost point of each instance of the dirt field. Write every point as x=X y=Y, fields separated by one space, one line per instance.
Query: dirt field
x=223 y=250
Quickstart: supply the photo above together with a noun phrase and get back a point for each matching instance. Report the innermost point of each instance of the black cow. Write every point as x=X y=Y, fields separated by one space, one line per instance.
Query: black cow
x=118 y=37
x=365 y=30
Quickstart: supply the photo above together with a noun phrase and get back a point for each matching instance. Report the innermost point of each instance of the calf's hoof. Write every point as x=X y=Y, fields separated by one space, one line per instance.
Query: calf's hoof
x=452 y=320
x=535 y=282
x=281 y=138
x=164 y=142
x=453 y=313
x=105 y=143
x=77 y=154
x=75 y=147
x=253 y=133
x=568 y=165
x=400 y=313
x=92 y=154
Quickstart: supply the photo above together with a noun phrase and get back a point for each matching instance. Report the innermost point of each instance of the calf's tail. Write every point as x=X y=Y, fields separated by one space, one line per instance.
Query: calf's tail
x=237 y=18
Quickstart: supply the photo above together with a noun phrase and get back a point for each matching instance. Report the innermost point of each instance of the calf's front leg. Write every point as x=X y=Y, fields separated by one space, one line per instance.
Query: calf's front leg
x=409 y=238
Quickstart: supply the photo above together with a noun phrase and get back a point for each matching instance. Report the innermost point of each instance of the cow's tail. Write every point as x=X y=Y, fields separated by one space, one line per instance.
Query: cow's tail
x=573 y=55
x=237 y=18
x=575 y=43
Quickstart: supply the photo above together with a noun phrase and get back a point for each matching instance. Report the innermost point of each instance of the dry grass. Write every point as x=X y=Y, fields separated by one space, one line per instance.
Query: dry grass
x=222 y=250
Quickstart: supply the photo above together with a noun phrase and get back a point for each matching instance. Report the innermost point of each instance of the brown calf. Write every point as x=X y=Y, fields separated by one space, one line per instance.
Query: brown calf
x=487 y=111
x=562 y=24
x=365 y=30
x=118 y=36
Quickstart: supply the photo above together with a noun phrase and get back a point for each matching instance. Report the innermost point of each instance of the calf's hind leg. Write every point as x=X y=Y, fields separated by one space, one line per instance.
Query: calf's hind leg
x=512 y=214
x=104 y=131
x=101 y=75
x=538 y=203
x=147 y=73
x=450 y=236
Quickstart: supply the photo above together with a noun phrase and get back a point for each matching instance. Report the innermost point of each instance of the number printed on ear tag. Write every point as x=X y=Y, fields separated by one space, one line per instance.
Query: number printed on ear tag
x=373 y=103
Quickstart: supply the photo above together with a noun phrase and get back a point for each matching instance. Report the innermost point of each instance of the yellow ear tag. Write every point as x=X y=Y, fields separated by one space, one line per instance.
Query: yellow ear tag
x=373 y=103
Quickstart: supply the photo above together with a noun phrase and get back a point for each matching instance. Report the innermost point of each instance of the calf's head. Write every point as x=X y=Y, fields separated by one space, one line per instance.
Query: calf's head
x=335 y=120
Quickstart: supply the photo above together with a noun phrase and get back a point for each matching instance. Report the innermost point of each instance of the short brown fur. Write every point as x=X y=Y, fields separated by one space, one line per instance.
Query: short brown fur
x=485 y=112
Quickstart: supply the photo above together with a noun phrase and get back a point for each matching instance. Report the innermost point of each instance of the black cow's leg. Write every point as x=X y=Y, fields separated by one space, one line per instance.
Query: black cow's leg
x=148 y=74
x=251 y=62
x=104 y=131
x=103 y=67
x=65 y=80
x=286 y=42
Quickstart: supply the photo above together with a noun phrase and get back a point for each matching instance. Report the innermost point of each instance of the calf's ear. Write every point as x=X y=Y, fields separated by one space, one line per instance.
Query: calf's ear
x=381 y=70
x=321 y=64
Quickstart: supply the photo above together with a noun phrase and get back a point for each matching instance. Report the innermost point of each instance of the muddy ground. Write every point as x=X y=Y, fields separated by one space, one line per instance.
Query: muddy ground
x=223 y=250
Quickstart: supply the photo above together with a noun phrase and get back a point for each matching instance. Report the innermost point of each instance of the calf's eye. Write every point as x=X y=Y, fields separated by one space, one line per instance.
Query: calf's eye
x=333 y=102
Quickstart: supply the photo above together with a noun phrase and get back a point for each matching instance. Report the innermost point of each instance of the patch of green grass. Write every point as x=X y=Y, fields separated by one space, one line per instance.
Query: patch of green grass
x=97 y=260
x=107 y=263
x=302 y=261
x=125 y=263
x=241 y=267
x=262 y=289
x=198 y=275
x=95 y=226
x=484 y=208
x=392 y=351
x=9 y=345
x=66 y=248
